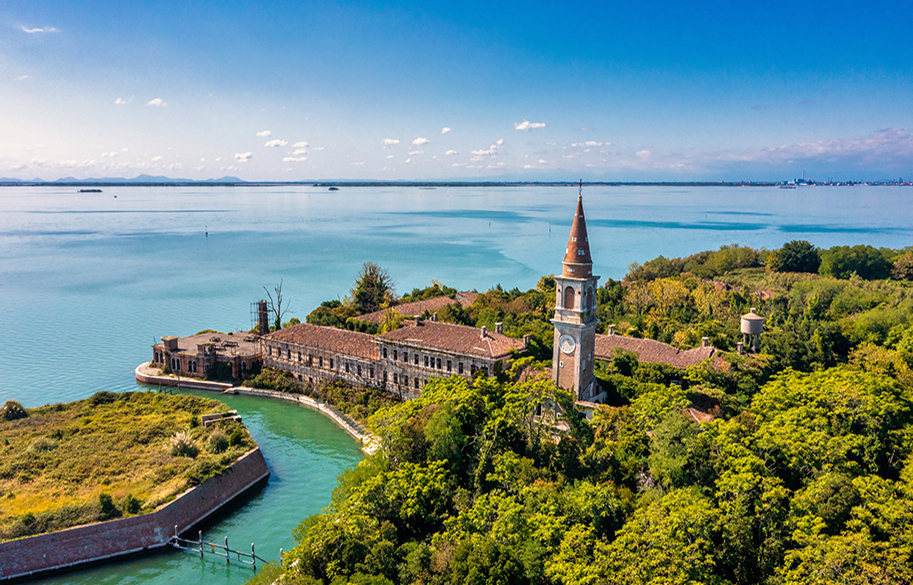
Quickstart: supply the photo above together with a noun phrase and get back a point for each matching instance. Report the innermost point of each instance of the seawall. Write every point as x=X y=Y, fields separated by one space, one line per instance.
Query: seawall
x=144 y=375
x=95 y=542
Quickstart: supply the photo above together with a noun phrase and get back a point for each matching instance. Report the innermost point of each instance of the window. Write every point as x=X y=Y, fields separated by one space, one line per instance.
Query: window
x=426 y=361
x=395 y=354
x=310 y=360
x=449 y=366
x=416 y=382
x=415 y=358
x=439 y=363
x=384 y=352
x=320 y=361
x=358 y=370
x=299 y=357
x=569 y=297
x=331 y=363
x=405 y=380
x=406 y=356
x=371 y=372
x=460 y=367
x=347 y=367
x=395 y=378
x=288 y=353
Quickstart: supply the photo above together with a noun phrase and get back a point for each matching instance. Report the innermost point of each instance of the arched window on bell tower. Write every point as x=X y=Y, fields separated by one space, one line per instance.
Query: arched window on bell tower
x=568 y=297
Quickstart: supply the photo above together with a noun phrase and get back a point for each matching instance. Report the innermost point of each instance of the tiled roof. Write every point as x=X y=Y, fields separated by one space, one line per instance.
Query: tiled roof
x=650 y=350
x=577 y=259
x=410 y=309
x=454 y=338
x=328 y=339
x=468 y=297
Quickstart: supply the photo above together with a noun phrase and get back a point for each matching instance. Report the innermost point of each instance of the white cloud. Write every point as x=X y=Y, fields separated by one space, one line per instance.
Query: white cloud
x=414 y=152
x=390 y=141
x=358 y=164
x=218 y=159
x=111 y=154
x=301 y=144
x=40 y=30
x=420 y=141
x=450 y=152
x=389 y=156
x=275 y=143
x=264 y=134
x=39 y=162
x=121 y=102
x=590 y=143
x=445 y=130
x=643 y=154
x=317 y=148
x=300 y=151
x=456 y=165
x=295 y=159
x=527 y=125
x=527 y=166
x=158 y=102
x=155 y=158
x=542 y=161
x=408 y=160
x=22 y=78
x=244 y=156
x=499 y=142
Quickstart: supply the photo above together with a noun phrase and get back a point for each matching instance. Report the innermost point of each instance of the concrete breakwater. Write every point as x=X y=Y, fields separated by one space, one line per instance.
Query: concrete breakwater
x=34 y=555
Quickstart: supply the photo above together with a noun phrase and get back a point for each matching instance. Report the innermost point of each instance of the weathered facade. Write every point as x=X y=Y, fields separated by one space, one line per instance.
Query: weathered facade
x=196 y=355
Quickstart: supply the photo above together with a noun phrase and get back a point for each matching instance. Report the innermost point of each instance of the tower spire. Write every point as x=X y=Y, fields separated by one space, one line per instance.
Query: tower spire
x=577 y=260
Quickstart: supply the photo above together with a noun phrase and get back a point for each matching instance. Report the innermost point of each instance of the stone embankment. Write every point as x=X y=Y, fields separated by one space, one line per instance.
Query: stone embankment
x=34 y=555
x=146 y=374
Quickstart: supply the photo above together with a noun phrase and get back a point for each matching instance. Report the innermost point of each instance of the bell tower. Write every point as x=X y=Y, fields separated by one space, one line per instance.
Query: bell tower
x=575 y=314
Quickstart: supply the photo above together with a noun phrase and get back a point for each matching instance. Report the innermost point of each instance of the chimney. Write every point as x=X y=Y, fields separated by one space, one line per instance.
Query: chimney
x=753 y=310
x=611 y=329
x=705 y=342
x=526 y=340
x=499 y=328
x=434 y=317
x=484 y=332
x=262 y=318
x=741 y=348
x=418 y=320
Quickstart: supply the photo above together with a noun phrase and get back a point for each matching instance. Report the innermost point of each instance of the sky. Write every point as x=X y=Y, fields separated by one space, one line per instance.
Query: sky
x=399 y=90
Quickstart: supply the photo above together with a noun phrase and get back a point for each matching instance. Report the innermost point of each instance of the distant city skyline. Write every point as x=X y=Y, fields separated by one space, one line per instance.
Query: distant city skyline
x=416 y=91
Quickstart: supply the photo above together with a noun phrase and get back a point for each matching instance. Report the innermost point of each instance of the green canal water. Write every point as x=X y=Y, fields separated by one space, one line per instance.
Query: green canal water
x=305 y=452
x=89 y=281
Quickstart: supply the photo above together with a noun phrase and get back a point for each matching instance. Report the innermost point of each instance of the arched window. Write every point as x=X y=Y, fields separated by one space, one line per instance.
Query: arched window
x=569 y=297
x=589 y=298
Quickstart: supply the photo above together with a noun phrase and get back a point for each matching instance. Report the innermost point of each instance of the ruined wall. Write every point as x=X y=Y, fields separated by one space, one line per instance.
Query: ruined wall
x=95 y=542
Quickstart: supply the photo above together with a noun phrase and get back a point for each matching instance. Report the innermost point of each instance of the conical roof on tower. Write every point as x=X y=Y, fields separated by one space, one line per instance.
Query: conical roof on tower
x=577 y=260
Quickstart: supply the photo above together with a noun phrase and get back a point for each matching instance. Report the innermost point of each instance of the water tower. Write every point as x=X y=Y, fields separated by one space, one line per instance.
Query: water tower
x=752 y=328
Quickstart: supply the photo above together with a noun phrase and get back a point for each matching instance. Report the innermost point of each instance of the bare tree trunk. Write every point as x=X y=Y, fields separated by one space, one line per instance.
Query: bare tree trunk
x=276 y=301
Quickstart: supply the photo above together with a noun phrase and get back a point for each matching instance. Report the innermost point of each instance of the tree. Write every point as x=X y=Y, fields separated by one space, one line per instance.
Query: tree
x=276 y=301
x=903 y=267
x=373 y=288
x=794 y=256
x=867 y=262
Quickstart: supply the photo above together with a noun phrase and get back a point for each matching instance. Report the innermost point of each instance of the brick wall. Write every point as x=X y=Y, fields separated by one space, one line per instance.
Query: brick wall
x=95 y=542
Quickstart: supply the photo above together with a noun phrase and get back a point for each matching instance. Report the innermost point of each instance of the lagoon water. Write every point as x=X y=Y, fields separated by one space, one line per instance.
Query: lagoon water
x=88 y=281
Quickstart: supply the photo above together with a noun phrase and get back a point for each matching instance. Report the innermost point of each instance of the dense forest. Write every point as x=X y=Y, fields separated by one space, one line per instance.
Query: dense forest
x=790 y=466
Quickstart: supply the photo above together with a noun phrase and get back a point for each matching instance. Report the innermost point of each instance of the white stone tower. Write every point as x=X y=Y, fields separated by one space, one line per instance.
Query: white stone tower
x=575 y=315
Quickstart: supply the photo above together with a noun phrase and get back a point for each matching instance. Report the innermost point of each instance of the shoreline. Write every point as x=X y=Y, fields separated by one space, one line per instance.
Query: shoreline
x=369 y=443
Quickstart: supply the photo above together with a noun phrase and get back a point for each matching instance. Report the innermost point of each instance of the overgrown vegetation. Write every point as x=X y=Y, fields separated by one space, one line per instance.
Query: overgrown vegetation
x=107 y=456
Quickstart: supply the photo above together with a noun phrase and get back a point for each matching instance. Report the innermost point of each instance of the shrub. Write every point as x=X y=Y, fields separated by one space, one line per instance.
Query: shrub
x=12 y=410
x=903 y=267
x=194 y=421
x=218 y=441
x=103 y=397
x=42 y=445
x=236 y=438
x=106 y=506
x=182 y=445
x=795 y=256
x=867 y=262
x=130 y=504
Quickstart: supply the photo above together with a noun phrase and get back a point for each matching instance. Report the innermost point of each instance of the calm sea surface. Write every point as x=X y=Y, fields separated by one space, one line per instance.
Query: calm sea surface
x=88 y=281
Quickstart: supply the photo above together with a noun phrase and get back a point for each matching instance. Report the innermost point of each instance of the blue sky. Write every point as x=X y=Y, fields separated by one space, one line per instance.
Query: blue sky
x=468 y=90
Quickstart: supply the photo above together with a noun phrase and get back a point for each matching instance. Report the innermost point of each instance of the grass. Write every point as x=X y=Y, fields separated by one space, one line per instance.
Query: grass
x=66 y=464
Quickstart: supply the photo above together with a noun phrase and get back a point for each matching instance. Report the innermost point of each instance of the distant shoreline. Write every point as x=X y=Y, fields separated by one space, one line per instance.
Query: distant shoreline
x=446 y=184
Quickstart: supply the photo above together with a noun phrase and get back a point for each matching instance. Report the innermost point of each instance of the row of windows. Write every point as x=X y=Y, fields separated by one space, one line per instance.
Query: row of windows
x=320 y=361
x=429 y=361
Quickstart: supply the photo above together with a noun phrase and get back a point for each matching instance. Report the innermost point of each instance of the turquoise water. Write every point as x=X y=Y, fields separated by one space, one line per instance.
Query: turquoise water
x=89 y=281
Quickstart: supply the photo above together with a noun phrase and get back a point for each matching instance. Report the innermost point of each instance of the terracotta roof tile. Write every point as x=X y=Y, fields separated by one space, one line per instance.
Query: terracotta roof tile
x=329 y=339
x=577 y=260
x=650 y=350
x=410 y=309
x=455 y=338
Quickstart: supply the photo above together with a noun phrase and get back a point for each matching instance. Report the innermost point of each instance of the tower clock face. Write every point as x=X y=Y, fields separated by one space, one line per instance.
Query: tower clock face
x=567 y=344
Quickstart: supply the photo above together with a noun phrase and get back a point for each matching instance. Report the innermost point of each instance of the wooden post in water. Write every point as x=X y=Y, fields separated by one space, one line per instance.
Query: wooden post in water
x=280 y=558
x=253 y=555
x=227 y=559
x=200 y=534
